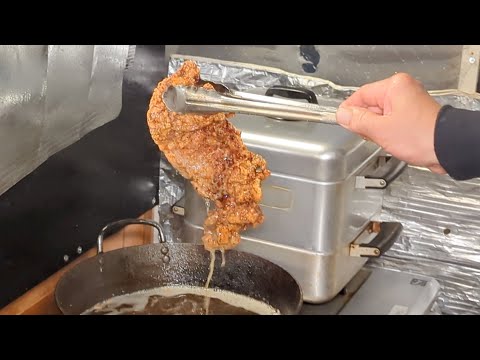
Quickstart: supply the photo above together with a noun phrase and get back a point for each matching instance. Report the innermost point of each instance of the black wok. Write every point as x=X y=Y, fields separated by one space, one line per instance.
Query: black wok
x=144 y=267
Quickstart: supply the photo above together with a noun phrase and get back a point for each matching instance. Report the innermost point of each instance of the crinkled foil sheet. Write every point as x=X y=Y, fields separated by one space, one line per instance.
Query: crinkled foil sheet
x=351 y=65
x=441 y=236
x=441 y=217
x=53 y=95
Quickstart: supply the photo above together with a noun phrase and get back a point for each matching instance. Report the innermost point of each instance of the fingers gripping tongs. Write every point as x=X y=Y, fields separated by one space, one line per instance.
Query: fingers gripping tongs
x=195 y=99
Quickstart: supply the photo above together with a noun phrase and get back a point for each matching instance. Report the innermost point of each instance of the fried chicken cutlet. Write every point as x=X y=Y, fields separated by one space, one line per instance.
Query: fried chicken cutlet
x=207 y=150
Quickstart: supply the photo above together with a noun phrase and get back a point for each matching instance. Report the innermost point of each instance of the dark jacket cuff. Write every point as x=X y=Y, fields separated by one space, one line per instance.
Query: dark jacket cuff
x=457 y=142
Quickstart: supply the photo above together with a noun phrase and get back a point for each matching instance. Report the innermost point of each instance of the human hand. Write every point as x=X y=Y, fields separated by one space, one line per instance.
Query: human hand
x=397 y=114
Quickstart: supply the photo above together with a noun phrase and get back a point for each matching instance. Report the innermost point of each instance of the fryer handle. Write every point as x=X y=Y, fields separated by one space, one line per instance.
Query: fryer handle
x=386 y=237
x=394 y=168
x=293 y=92
x=125 y=222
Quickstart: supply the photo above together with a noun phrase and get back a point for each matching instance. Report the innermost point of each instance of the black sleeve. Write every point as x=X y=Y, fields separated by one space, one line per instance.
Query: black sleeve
x=457 y=142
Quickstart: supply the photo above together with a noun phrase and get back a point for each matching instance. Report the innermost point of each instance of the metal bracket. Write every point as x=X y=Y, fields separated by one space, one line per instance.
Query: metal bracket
x=362 y=182
x=386 y=170
x=363 y=251
x=469 y=69
x=359 y=247
x=386 y=234
x=179 y=207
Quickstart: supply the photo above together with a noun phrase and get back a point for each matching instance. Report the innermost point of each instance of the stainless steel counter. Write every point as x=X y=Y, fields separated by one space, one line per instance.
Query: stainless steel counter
x=381 y=292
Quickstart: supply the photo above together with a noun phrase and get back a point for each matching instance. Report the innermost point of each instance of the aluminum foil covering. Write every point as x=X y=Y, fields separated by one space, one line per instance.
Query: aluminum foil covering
x=171 y=190
x=441 y=217
x=51 y=96
x=351 y=65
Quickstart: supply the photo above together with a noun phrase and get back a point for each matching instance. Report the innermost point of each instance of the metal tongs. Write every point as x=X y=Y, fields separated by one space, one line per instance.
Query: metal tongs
x=195 y=99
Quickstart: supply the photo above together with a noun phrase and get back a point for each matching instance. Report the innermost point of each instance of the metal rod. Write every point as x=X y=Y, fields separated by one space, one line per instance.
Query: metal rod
x=182 y=99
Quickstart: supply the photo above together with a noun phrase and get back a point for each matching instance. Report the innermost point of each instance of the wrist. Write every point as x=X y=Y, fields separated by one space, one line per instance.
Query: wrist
x=455 y=142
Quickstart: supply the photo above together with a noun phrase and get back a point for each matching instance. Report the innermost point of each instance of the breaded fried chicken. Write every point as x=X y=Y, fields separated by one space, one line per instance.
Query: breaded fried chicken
x=207 y=150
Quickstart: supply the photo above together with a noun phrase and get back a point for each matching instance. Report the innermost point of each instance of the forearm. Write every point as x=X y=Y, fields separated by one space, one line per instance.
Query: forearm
x=457 y=142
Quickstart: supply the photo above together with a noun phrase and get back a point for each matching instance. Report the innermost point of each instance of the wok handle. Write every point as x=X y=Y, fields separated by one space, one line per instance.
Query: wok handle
x=125 y=222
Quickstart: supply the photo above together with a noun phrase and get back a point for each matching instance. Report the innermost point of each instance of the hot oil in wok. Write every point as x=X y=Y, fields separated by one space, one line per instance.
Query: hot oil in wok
x=179 y=300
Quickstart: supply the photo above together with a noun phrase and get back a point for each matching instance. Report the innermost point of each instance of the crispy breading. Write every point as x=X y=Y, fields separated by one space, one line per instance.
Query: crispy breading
x=208 y=150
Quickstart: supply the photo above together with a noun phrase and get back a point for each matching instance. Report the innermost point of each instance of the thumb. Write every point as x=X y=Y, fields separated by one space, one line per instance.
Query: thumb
x=359 y=120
